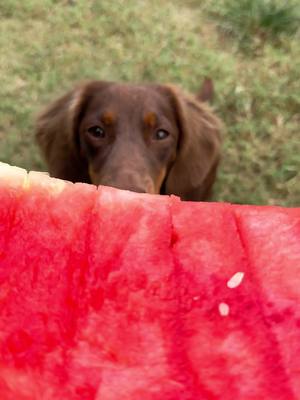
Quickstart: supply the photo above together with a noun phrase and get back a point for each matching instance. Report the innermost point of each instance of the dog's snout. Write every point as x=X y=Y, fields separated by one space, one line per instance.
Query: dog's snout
x=132 y=182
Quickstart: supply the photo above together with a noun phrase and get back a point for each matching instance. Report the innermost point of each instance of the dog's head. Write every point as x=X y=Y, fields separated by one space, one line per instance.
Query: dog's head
x=145 y=138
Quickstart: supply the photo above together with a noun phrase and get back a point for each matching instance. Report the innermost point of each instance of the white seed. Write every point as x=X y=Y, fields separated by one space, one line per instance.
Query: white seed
x=196 y=298
x=224 y=309
x=235 y=280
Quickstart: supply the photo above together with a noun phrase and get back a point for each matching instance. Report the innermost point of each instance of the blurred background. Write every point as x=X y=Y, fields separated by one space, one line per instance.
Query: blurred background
x=250 y=48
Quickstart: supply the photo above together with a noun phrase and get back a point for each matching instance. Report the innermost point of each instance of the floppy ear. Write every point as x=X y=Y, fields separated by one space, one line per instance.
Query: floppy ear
x=56 y=133
x=207 y=91
x=193 y=171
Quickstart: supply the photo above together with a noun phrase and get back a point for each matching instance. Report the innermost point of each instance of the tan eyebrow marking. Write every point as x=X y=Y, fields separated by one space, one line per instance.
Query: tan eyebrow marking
x=108 y=117
x=150 y=119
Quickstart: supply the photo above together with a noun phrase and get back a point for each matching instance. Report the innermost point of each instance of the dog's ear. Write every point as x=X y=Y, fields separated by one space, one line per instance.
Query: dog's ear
x=56 y=130
x=199 y=147
x=207 y=91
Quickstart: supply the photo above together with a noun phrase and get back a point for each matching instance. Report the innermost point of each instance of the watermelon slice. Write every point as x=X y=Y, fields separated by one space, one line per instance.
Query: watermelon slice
x=107 y=294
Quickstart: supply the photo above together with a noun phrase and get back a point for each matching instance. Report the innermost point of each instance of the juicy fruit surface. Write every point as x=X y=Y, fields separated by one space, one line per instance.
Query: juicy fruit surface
x=228 y=351
x=276 y=243
x=106 y=294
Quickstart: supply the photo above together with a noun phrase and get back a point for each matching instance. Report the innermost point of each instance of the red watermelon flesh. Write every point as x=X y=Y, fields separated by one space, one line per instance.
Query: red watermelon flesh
x=229 y=351
x=11 y=182
x=271 y=237
x=108 y=294
x=41 y=286
x=131 y=300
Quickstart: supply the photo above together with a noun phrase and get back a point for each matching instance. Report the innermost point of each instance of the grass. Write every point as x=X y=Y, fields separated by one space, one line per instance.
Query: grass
x=47 y=45
x=253 y=22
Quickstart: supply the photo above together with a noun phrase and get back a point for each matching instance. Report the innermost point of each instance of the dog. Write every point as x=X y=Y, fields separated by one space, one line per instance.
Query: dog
x=148 y=138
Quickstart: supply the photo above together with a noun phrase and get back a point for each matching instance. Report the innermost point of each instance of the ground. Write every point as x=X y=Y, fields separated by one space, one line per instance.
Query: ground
x=47 y=45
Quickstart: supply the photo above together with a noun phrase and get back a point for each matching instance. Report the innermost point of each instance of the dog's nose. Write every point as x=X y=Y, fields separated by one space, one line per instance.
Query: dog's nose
x=125 y=182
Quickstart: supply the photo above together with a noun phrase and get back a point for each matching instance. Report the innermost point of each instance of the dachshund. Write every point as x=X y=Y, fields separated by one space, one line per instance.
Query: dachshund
x=148 y=138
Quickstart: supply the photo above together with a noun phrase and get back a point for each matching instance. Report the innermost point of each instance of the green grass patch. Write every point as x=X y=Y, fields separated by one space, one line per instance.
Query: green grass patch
x=48 y=45
x=254 y=22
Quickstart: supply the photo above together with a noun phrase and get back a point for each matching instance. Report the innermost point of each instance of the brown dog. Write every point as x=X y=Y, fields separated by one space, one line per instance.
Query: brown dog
x=146 y=138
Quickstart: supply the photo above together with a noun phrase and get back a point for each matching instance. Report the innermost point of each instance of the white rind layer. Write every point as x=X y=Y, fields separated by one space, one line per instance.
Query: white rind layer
x=18 y=177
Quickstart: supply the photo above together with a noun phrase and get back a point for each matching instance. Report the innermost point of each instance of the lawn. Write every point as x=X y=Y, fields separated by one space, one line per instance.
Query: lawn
x=252 y=54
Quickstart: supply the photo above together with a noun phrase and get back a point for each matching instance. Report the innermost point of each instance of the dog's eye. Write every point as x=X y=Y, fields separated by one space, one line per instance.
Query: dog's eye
x=97 y=132
x=161 y=134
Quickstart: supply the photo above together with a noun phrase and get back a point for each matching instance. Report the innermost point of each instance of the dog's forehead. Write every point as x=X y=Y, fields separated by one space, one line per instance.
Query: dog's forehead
x=128 y=98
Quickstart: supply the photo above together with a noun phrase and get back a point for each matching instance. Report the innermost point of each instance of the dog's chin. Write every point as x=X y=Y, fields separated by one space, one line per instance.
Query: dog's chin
x=131 y=188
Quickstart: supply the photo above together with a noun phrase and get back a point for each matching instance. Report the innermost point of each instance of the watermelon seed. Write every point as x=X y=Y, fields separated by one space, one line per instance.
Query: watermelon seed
x=224 y=309
x=196 y=298
x=235 y=280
